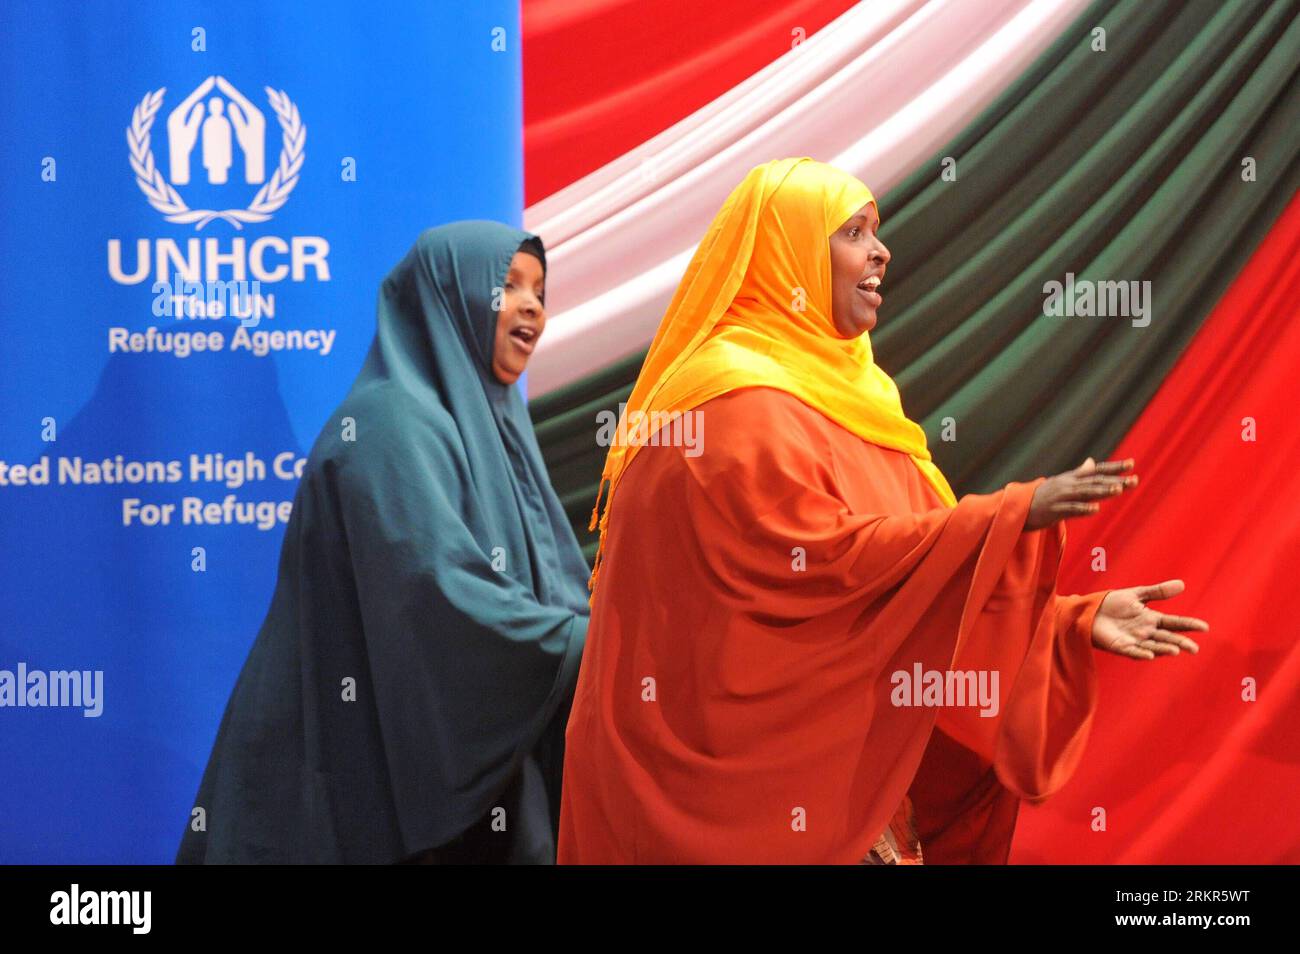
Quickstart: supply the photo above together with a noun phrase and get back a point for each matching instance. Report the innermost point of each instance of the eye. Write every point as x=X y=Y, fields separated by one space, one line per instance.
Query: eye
x=854 y=232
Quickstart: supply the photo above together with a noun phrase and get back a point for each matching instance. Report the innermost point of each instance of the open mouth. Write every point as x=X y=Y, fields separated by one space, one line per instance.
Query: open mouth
x=525 y=337
x=869 y=287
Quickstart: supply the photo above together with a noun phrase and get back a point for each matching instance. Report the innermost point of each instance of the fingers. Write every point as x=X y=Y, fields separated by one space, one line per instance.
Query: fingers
x=1150 y=648
x=1160 y=646
x=1136 y=651
x=1078 y=498
x=1089 y=482
x=1175 y=642
x=1162 y=640
x=1073 y=493
x=1183 y=622
x=1100 y=488
x=1160 y=591
x=1088 y=468
x=1166 y=631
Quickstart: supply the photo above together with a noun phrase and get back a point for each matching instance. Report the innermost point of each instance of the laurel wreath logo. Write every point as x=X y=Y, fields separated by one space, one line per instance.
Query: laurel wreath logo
x=164 y=197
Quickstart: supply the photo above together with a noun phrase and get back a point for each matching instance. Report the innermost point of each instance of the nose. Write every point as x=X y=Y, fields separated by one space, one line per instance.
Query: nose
x=880 y=253
x=531 y=307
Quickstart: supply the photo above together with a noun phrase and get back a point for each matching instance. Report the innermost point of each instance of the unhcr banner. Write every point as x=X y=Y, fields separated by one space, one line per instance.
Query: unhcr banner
x=200 y=202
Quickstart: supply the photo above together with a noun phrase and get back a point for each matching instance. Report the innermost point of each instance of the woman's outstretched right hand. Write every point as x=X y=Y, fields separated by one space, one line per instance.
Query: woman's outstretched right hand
x=1075 y=493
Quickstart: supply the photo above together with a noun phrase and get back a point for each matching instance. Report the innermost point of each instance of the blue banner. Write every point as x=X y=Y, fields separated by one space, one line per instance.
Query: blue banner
x=200 y=201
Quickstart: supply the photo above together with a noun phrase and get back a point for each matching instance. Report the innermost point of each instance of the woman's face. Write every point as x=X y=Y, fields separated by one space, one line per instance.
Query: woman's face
x=522 y=318
x=858 y=260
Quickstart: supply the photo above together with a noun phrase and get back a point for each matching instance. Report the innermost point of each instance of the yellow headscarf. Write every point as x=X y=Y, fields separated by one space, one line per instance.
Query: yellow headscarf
x=754 y=310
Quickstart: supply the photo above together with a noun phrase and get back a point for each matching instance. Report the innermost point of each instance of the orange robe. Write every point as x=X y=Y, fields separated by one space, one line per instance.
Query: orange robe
x=734 y=699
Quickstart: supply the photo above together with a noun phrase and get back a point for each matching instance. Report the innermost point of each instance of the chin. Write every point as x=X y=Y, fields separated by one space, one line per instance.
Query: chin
x=505 y=375
x=860 y=326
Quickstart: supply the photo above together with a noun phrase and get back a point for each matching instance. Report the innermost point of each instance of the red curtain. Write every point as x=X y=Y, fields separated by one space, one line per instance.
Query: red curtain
x=1186 y=770
x=603 y=76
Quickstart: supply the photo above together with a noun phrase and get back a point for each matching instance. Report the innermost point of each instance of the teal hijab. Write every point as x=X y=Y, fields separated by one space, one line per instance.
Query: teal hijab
x=412 y=679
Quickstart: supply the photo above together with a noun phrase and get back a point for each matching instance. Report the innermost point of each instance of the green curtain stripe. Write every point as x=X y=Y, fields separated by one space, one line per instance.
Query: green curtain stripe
x=1122 y=165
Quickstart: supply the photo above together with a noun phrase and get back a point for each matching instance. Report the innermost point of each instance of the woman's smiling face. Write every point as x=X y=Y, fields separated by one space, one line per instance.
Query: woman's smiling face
x=522 y=318
x=858 y=260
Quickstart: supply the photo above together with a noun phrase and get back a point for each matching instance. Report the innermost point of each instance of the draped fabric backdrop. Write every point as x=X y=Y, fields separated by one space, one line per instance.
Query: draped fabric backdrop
x=1169 y=156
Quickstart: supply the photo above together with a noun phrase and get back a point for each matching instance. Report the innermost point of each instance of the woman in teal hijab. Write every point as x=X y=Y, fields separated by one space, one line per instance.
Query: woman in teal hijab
x=406 y=697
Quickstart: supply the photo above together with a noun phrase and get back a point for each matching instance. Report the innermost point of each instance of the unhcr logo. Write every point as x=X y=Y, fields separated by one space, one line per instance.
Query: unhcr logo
x=215 y=126
x=216 y=140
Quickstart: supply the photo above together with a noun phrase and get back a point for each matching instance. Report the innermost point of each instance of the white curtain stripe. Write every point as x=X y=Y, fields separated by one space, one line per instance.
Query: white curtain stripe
x=877 y=92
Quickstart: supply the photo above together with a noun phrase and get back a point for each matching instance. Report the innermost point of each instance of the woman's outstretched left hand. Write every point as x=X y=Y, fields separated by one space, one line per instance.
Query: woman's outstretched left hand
x=1126 y=626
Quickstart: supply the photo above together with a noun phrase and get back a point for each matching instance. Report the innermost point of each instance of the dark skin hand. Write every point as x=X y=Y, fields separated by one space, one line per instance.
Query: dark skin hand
x=1075 y=493
x=1124 y=624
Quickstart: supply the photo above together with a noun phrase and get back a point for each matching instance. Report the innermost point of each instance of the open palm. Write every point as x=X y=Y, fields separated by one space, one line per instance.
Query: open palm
x=1126 y=626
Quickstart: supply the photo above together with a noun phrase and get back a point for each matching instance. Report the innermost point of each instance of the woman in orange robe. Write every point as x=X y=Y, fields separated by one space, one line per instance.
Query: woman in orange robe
x=803 y=648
